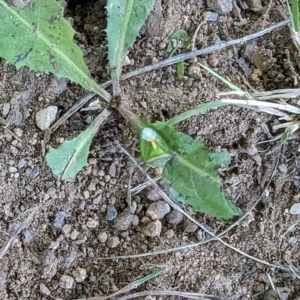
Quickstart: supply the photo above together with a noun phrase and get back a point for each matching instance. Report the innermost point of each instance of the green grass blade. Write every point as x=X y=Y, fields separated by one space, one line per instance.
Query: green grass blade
x=194 y=111
x=295 y=14
x=227 y=82
x=38 y=37
x=149 y=277
x=125 y=18
x=130 y=286
x=180 y=69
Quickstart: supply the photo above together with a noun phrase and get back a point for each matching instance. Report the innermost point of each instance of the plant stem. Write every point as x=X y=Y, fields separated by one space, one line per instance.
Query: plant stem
x=130 y=116
x=295 y=14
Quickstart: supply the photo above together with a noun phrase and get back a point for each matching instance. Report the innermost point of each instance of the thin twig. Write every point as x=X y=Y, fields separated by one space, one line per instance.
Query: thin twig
x=177 y=207
x=204 y=21
x=21 y=227
x=186 y=56
x=128 y=198
x=137 y=189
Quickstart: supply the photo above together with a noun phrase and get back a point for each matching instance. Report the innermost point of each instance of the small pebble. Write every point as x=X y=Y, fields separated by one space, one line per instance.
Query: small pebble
x=6 y=109
x=35 y=172
x=12 y=169
x=101 y=173
x=282 y=168
x=213 y=61
x=91 y=223
x=295 y=209
x=175 y=217
x=153 y=229
x=59 y=219
x=157 y=210
x=45 y=117
x=102 y=237
x=111 y=212
x=194 y=71
x=47 y=257
x=74 y=234
x=22 y=163
x=211 y=16
x=113 y=242
x=67 y=229
x=218 y=277
x=27 y=236
x=44 y=290
x=70 y=258
x=123 y=221
x=97 y=200
x=153 y=195
x=79 y=274
x=18 y=132
x=66 y=282
x=293 y=240
x=145 y=220
x=170 y=234
x=220 y=6
x=50 y=270
x=135 y=221
x=190 y=227
x=106 y=178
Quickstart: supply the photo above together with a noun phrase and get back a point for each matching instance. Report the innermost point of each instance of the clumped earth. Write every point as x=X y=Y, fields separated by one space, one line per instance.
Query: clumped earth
x=63 y=229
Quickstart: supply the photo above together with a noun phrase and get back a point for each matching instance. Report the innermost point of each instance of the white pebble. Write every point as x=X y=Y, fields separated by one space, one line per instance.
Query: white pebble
x=295 y=209
x=45 y=117
x=66 y=282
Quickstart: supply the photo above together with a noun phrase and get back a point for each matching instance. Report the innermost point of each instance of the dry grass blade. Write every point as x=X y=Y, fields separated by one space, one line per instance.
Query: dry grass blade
x=142 y=186
x=273 y=286
x=196 y=296
x=295 y=271
x=19 y=229
x=256 y=103
x=129 y=286
x=277 y=94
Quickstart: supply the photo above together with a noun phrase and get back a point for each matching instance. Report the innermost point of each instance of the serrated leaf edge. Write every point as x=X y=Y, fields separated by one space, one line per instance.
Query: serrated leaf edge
x=94 y=86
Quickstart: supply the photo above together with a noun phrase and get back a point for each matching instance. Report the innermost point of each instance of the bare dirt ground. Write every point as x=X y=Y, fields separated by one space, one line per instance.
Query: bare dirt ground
x=62 y=229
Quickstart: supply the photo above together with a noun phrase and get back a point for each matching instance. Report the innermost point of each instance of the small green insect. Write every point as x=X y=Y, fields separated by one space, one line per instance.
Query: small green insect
x=153 y=148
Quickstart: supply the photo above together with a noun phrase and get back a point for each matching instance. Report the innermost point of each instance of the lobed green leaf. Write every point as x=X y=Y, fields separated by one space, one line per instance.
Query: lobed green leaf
x=38 y=36
x=191 y=173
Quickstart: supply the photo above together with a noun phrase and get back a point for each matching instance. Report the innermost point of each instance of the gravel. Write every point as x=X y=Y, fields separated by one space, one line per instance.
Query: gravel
x=66 y=282
x=123 y=221
x=175 y=217
x=153 y=229
x=79 y=274
x=157 y=210
x=220 y=6
x=45 y=117
x=113 y=242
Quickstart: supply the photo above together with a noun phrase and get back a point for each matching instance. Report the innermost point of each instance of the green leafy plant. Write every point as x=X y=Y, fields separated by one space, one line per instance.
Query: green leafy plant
x=188 y=167
x=179 y=39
